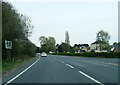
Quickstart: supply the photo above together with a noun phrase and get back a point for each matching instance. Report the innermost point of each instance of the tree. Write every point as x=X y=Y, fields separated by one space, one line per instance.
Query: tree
x=102 y=39
x=64 y=47
x=42 y=40
x=47 y=44
x=103 y=36
x=16 y=28
x=67 y=37
x=115 y=43
x=51 y=43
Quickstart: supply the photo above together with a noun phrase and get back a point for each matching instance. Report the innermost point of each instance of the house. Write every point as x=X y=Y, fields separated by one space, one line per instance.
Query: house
x=115 y=48
x=98 y=46
x=57 y=45
x=81 y=47
x=94 y=46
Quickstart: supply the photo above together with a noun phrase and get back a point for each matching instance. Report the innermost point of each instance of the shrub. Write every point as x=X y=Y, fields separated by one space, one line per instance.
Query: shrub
x=92 y=54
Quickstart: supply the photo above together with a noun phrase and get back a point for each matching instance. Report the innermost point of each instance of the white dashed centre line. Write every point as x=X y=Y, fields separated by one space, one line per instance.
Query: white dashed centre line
x=61 y=61
x=96 y=81
x=110 y=63
x=70 y=66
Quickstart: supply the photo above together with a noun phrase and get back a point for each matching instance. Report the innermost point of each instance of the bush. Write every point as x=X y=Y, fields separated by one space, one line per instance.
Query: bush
x=92 y=54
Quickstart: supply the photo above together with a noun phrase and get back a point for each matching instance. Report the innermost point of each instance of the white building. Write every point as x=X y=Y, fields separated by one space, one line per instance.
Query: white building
x=97 y=46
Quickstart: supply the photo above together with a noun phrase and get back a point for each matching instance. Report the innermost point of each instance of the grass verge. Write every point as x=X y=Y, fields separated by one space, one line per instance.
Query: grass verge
x=9 y=65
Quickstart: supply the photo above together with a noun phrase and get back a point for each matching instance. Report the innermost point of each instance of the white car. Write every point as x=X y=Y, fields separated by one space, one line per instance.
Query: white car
x=43 y=54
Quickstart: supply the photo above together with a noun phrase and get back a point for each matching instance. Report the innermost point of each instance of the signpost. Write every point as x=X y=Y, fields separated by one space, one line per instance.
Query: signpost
x=8 y=46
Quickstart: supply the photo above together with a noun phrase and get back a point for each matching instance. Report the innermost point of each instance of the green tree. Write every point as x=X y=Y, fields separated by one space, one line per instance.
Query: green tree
x=67 y=37
x=103 y=40
x=42 y=40
x=64 y=47
x=51 y=43
x=16 y=28
x=47 y=44
x=103 y=36
x=115 y=43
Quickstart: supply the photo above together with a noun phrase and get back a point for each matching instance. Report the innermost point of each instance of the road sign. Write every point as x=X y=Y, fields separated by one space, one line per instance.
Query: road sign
x=8 y=44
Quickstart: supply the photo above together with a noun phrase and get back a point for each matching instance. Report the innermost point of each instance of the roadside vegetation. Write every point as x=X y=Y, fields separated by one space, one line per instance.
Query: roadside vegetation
x=47 y=44
x=100 y=49
x=92 y=54
x=9 y=65
x=84 y=50
x=16 y=28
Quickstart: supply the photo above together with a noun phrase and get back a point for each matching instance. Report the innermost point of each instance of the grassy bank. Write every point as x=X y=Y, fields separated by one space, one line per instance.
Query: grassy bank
x=92 y=54
x=9 y=65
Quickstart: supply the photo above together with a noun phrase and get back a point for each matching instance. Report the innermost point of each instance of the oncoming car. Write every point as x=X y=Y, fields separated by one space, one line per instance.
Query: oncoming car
x=43 y=54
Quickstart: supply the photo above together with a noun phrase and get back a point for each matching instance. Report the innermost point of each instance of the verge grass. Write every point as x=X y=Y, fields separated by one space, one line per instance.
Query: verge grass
x=9 y=65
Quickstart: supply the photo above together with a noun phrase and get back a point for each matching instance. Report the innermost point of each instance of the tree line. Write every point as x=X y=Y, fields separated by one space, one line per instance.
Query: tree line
x=47 y=44
x=101 y=43
x=16 y=28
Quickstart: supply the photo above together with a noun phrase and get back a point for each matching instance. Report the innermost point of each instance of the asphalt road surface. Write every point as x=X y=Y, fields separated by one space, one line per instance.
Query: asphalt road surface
x=66 y=69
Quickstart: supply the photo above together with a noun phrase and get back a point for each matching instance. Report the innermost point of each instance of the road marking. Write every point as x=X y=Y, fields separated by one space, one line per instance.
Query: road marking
x=21 y=72
x=70 y=66
x=110 y=63
x=113 y=64
x=91 y=78
x=61 y=61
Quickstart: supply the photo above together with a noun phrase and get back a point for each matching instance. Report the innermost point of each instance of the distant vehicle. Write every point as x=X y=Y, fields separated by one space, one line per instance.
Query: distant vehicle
x=43 y=54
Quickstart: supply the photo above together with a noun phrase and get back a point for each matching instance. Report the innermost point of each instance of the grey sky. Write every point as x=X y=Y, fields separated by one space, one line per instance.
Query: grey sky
x=81 y=19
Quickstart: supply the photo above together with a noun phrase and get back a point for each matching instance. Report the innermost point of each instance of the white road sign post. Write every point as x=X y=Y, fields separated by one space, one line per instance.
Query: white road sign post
x=8 y=46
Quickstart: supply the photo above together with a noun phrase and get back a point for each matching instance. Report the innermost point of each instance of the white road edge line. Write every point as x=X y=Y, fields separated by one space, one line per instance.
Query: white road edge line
x=21 y=72
x=91 y=78
x=70 y=66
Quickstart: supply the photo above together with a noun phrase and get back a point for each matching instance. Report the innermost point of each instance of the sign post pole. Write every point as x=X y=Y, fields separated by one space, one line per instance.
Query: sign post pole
x=8 y=46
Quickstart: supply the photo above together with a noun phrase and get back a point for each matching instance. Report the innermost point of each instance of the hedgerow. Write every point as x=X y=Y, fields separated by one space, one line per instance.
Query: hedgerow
x=92 y=54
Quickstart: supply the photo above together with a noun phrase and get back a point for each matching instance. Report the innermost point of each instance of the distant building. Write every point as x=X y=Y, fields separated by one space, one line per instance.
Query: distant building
x=94 y=46
x=98 y=46
x=115 y=48
x=57 y=46
x=81 y=47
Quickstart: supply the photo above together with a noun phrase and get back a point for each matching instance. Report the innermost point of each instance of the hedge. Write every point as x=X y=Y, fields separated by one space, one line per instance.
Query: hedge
x=93 y=54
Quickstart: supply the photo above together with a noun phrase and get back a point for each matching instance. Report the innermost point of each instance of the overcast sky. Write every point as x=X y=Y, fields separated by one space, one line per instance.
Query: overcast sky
x=81 y=19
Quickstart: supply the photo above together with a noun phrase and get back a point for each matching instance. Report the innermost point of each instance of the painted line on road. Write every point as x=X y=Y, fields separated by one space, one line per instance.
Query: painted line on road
x=96 y=81
x=70 y=66
x=110 y=63
x=61 y=61
x=21 y=72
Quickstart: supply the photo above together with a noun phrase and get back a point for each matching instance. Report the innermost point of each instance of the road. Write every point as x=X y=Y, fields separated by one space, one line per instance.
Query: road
x=66 y=69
